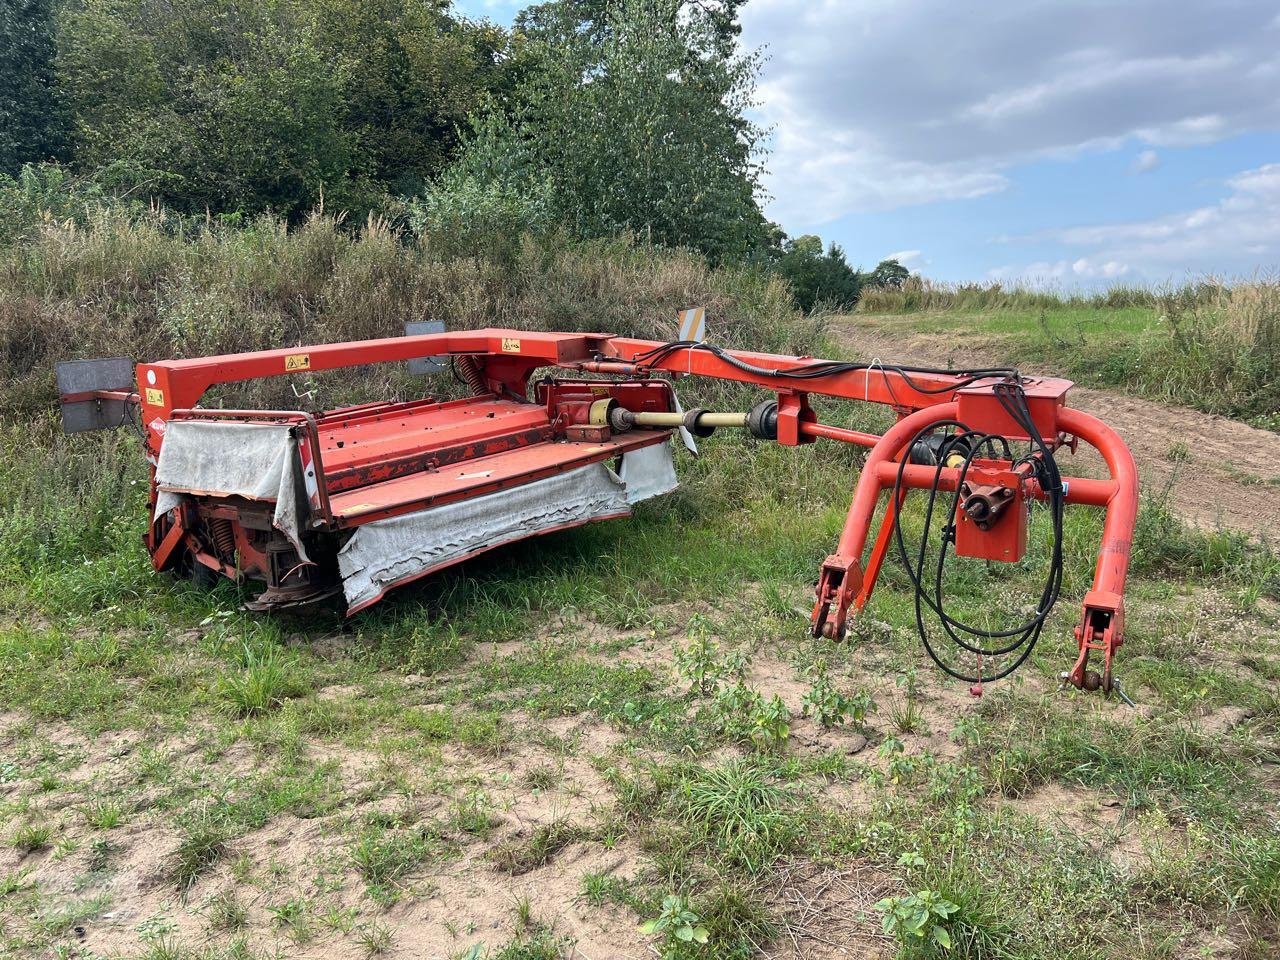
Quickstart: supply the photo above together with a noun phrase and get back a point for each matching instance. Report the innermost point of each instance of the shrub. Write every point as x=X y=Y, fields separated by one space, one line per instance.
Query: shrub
x=818 y=278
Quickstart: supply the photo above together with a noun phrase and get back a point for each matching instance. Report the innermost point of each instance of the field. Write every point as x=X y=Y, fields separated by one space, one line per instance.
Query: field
x=615 y=742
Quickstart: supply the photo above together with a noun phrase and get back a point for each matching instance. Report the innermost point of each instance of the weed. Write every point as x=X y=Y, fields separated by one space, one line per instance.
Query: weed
x=601 y=888
x=32 y=837
x=473 y=814
x=543 y=777
x=385 y=857
x=703 y=664
x=524 y=914
x=106 y=814
x=226 y=911
x=518 y=856
x=676 y=926
x=264 y=680
x=165 y=947
x=339 y=919
x=918 y=921
x=830 y=707
x=906 y=713
x=744 y=714
x=14 y=882
x=203 y=842
x=375 y=939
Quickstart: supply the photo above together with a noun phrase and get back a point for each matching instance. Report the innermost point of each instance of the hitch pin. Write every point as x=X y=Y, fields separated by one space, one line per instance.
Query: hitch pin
x=1064 y=681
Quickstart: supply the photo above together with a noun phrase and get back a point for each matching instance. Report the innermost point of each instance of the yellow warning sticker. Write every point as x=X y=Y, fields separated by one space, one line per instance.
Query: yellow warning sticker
x=155 y=397
x=510 y=345
x=297 y=361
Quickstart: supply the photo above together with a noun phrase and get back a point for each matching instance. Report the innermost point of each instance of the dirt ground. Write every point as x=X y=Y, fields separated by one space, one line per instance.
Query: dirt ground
x=1219 y=473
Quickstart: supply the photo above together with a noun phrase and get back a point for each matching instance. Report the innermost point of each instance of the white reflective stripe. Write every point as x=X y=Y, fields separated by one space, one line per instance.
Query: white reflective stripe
x=693 y=324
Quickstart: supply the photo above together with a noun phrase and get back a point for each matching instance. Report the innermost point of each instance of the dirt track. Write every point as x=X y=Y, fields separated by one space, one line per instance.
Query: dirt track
x=1219 y=473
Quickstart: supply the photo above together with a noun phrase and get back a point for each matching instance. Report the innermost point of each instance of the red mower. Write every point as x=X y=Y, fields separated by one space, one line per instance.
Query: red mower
x=362 y=499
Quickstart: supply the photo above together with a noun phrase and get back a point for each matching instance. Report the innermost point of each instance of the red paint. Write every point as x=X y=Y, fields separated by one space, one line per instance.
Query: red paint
x=377 y=460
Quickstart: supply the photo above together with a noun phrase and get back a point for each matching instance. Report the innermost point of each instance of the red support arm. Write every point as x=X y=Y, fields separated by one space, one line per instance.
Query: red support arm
x=1102 y=623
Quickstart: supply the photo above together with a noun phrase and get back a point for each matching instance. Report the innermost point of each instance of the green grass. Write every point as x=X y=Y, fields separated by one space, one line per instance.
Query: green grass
x=302 y=774
x=1207 y=345
x=739 y=812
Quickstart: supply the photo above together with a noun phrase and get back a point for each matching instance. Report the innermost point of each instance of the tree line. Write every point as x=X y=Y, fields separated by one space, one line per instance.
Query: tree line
x=588 y=117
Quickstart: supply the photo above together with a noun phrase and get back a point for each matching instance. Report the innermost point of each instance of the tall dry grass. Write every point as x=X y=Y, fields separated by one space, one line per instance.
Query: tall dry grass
x=151 y=287
x=1224 y=352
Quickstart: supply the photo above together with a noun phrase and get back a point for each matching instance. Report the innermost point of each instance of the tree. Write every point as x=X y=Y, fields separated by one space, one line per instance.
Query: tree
x=270 y=104
x=631 y=114
x=888 y=273
x=817 y=278
x=32 y=121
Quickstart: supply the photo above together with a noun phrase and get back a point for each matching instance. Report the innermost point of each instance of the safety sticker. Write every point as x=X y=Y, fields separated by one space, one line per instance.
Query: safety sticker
x=510 y=345
x=297 y=361
x=155 y=397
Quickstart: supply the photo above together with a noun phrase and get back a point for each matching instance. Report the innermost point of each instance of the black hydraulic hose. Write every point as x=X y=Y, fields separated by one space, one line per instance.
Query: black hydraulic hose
x=1025 y=635
x=825 y=368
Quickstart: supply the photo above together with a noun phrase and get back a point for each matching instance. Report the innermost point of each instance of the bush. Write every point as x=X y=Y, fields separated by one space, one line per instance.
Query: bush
x=819 y=278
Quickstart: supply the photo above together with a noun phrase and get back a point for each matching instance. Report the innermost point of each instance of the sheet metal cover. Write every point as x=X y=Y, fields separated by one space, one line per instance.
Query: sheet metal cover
x=255 y=460
x=388 y=552
x=81 y=376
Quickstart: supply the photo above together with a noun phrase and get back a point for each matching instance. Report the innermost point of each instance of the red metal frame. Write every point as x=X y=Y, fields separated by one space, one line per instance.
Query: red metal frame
x=407 y=450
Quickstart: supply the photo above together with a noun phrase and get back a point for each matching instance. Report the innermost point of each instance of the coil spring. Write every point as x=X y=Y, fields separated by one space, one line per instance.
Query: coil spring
x=224 y=538
x=469 y=370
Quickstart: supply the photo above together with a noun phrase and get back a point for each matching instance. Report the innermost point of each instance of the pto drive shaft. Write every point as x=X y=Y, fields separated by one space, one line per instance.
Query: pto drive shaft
x=699 y=422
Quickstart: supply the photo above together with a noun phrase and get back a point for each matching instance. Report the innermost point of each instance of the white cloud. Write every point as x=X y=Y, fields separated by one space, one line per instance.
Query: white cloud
x=905 y=257
x=1145 y=162
x=878 y=104
x=1240 y=233
x=818 y=174
x=1081 y=269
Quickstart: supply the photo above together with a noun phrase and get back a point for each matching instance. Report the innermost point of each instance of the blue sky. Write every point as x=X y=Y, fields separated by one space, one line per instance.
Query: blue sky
x=1069 y=143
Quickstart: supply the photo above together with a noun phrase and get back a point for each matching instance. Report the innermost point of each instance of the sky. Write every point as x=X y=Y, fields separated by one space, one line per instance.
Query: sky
x=1074 y=143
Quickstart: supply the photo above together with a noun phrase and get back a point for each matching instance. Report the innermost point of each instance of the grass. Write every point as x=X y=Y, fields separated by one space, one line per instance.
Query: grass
x=385 y=858
x=1207 y=344
x=202 y=844
x=300 y=775
x=520 y=855
x=739 y=812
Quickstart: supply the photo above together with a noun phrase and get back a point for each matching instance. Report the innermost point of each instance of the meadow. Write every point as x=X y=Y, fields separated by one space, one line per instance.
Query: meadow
x=617 y=741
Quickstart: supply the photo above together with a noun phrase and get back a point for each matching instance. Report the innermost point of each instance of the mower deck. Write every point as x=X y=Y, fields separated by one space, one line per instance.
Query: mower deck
x=479 y=475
